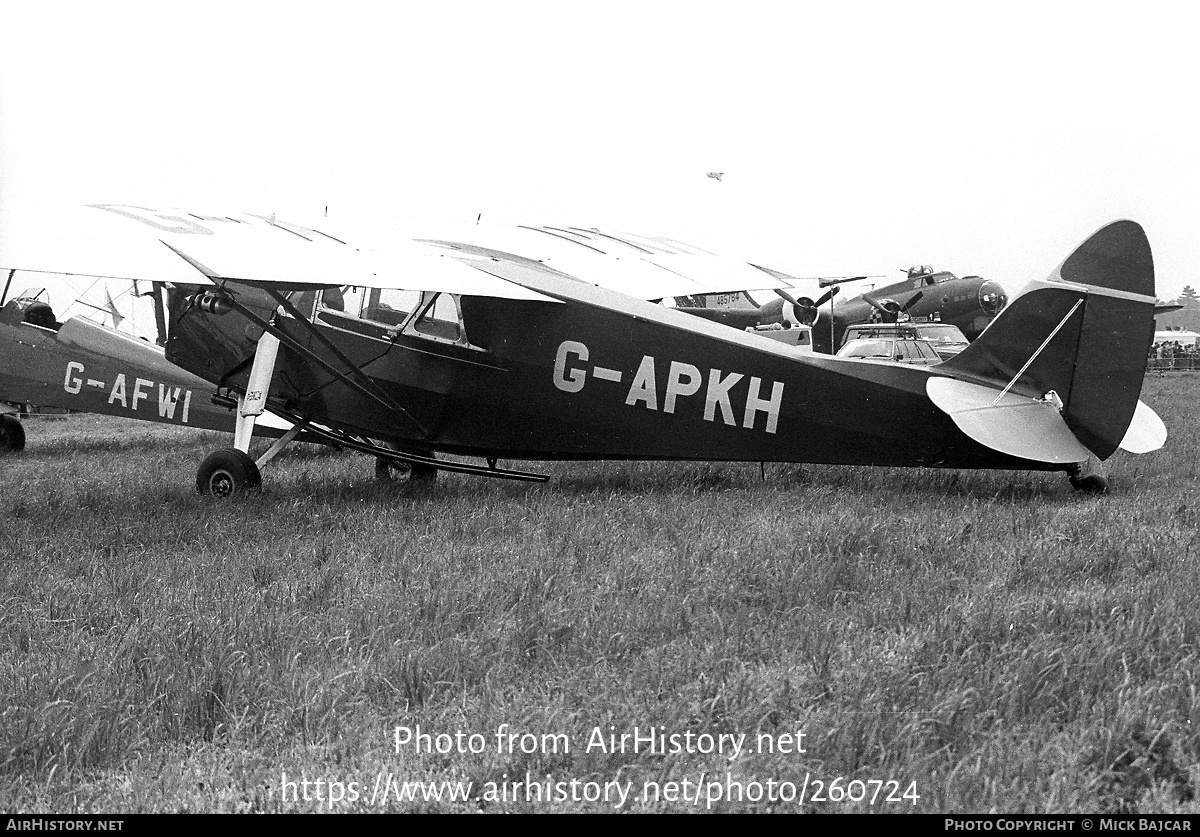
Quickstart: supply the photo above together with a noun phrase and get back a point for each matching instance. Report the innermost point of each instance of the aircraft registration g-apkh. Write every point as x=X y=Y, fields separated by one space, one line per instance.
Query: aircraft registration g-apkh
x=540 y=344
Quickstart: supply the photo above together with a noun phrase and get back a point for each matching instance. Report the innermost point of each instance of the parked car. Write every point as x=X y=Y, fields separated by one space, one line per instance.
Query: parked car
x=947 y=340
x=895 y=349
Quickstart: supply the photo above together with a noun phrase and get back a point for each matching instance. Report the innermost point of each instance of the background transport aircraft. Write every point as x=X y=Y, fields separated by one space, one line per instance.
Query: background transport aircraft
x=455 y=346
x=968 y=302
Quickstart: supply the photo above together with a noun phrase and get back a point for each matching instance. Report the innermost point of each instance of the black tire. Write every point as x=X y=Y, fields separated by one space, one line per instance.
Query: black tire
x=12 y=435
x=1091 y=484
x=226 y=473
x=423 y=474
x=386 y=469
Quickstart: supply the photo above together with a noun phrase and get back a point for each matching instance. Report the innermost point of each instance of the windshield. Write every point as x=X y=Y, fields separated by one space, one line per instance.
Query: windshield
x=867 y=348
x=941 y=334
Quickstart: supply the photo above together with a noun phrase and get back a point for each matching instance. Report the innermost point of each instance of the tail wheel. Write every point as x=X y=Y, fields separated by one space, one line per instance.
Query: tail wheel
x=12 y=435
x=1091 y=484
x=225 y=473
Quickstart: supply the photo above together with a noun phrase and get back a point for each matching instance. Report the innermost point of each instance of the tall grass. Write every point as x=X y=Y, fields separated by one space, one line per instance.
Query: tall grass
x=999 y=640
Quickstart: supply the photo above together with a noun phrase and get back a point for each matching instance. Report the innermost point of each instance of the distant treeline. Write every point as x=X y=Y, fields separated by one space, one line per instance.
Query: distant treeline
x=1188 y=317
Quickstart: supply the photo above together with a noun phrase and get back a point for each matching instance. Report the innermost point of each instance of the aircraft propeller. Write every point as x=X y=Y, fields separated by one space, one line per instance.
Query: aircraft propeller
x=804 y=309
x=889 y=309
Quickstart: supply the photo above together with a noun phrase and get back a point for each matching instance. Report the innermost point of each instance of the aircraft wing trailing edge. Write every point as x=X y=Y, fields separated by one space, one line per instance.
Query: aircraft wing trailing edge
x=136 y=243
x=640 y=266
x=127 y=242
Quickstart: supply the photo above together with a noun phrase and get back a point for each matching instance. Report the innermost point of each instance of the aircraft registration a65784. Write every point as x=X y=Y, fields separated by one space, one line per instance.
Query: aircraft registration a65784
x=540 y=344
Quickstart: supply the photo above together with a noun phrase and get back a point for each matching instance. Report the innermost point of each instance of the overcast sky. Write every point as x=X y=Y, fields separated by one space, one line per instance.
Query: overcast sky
x=854 y=137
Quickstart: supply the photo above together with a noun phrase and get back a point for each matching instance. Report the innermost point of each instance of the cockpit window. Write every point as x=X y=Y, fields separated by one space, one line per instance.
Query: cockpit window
x=441 y=319
x=303 y=302
x=390 y=306
x=384 y=313
x=344 y=300
x=386 y=306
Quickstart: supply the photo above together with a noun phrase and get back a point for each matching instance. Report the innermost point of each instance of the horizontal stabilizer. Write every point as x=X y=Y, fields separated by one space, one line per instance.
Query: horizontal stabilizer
x=1012 y=424
x=1146 y=432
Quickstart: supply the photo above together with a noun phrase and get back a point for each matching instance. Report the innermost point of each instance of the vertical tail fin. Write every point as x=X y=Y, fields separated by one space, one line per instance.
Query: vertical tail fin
x=1084 y=333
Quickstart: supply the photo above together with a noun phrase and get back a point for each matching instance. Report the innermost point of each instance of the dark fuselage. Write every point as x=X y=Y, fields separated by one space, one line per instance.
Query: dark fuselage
x=86 y=367
x=599 y=376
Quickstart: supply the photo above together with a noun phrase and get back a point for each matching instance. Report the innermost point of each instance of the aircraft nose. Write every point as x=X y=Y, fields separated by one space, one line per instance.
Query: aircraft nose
x=992 y=297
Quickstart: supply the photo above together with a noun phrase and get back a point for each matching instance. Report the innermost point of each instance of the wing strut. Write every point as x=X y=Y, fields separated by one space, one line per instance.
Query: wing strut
x=354 y=377
x=7 y=285
x=382 y=397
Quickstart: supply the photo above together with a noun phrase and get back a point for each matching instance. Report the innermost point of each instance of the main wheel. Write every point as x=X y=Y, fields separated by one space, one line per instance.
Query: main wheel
x=12 y=435
x=224 y=473
x=385 y=469
x=424 y=474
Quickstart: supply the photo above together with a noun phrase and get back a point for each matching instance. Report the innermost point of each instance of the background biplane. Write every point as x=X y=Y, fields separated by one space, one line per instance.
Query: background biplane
x=83 y=366
x=458 y=346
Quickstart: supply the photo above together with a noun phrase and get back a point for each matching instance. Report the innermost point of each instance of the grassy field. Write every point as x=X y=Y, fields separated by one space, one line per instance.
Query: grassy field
x=982 y=641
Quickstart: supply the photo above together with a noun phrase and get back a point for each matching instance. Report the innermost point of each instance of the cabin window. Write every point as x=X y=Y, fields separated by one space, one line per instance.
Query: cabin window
x=383 y=313
x=303 y=301
x=347 y=300
x=390 y=306
x=441 y=319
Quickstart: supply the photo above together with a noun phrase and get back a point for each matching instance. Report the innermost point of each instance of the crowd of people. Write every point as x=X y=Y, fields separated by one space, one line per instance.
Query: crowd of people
x=1171 y=354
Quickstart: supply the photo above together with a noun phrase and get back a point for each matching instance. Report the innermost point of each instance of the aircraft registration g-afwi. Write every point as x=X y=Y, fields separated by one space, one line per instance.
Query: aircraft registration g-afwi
x=82 y=366
x=502 y=347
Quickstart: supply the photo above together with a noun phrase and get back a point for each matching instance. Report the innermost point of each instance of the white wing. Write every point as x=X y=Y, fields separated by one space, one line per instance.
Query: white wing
x=130 y=242
x=139 y=243
x=640 y=266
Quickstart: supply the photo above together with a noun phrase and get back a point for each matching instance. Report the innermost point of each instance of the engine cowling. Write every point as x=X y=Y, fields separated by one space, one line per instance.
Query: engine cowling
x=804 y=311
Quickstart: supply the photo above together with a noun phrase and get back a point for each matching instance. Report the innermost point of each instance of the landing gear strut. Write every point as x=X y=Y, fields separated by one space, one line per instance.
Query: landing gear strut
x=225 y=473
x=12 y=435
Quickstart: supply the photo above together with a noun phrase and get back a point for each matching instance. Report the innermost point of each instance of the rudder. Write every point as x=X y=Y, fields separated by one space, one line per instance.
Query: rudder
x=1084 y=333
